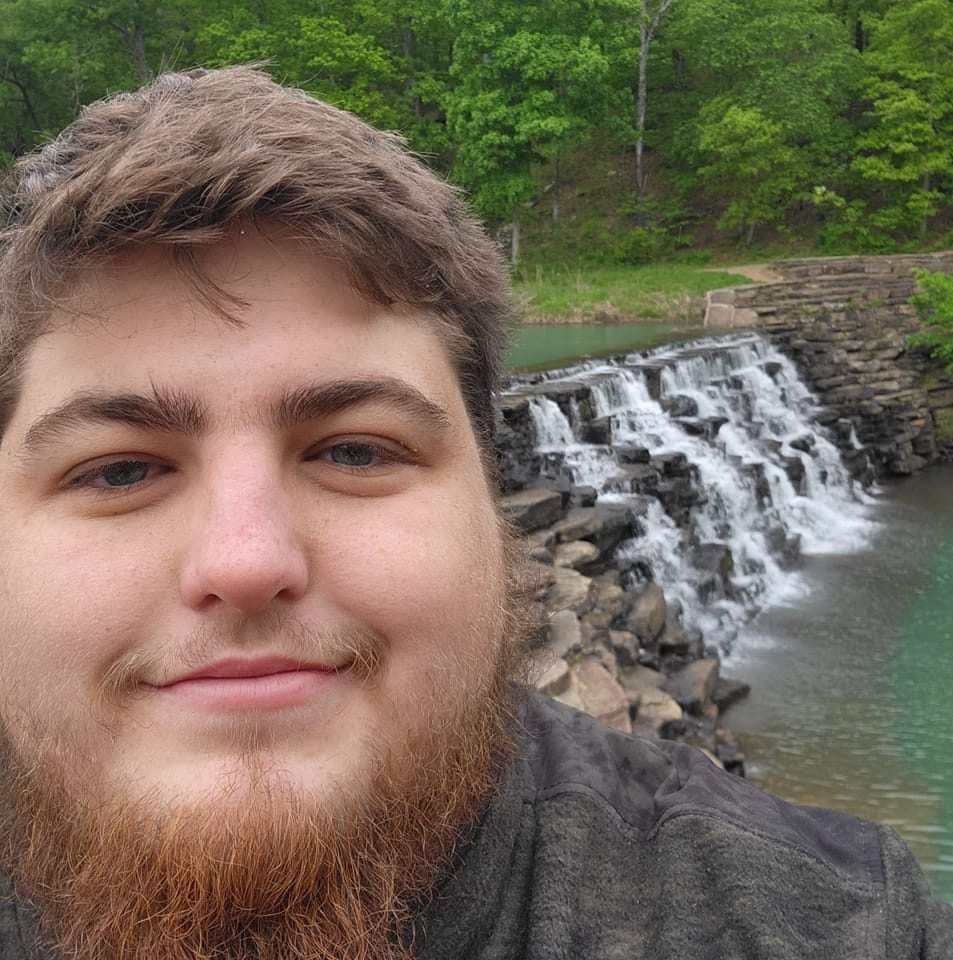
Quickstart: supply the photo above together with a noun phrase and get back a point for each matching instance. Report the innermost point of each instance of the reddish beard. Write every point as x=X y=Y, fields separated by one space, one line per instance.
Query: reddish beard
x=260 y=873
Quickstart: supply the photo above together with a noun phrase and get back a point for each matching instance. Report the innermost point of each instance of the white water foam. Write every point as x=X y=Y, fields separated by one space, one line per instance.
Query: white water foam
x=761 y=407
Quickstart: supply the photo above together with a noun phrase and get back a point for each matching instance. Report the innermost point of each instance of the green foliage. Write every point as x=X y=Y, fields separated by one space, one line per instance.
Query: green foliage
x=934 y=303
x=905 y=149
x=528 y=82
x=788 y=121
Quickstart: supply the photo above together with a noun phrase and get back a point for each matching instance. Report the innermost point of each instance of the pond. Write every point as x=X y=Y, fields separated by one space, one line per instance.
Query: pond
x=538 y=346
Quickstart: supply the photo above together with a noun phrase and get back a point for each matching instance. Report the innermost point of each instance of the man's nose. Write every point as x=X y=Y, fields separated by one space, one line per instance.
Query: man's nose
x=243 y=552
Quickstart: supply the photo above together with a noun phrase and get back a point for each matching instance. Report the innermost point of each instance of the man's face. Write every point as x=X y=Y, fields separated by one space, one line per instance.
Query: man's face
x=230 y=552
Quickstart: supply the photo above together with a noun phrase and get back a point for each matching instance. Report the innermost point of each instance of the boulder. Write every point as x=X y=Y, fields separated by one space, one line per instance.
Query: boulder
x=568 y=590
x=647 y=617
x=555 y=679
x=625 y=646
x=565 y=634
x=692 y=686
x=604 y=525
x=593 y=689
x=729 y=692
x=583 y=496
x=598 y=431
x=533 y=509
x=654 y=708
x=577 y=555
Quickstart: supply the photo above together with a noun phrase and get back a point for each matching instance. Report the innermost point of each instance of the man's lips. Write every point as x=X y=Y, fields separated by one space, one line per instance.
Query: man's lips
x=261 y=683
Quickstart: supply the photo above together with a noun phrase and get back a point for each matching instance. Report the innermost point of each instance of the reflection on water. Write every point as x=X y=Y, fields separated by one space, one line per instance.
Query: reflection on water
x=853 y=686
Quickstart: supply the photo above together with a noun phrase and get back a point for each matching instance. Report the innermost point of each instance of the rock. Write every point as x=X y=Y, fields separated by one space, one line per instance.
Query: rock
x=598 y=431
x=654 y=708
x=625 y=646
x=611 y=599
x=533 y=509
x=676 y=640
x=568 y=590
x=577 y=555
x=555 y=679
x=593 y=689
x=729 y=692
x=805 y=443
x=565 y=634
x=693 y=686
x=715 y=558
x=631 y=454
x=583 y=496
x=679 y=406
x=647 y=618
x=794 y=467
x=605 y=525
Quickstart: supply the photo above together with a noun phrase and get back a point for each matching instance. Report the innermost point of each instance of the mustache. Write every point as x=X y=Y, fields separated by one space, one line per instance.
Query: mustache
x=360 y=649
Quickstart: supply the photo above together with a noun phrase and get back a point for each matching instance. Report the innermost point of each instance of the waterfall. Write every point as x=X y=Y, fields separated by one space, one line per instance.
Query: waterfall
x=719 y=437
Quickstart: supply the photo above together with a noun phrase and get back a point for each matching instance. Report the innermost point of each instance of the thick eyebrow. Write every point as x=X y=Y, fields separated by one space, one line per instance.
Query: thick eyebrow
x=324 y=399
x=165 y=411
x=169 y=411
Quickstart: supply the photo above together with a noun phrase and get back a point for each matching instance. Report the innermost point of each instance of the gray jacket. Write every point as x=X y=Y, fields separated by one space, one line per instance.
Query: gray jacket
x=602 y=846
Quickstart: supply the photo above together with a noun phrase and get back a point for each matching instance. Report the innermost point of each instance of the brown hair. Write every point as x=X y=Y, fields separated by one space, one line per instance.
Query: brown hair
x=183 y=159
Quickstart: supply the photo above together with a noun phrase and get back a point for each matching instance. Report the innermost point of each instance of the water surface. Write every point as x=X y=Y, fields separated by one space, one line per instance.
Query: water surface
x=538 y=346
x=852 y=703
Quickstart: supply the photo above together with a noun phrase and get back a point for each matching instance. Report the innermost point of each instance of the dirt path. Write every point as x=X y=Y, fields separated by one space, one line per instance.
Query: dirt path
x=755 y=272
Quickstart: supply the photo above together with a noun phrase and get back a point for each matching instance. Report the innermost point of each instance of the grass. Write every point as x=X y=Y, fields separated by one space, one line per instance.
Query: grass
x=944 y=425
x=670 y=292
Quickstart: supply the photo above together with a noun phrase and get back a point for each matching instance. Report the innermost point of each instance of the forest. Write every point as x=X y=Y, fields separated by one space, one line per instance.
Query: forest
x=622 y=131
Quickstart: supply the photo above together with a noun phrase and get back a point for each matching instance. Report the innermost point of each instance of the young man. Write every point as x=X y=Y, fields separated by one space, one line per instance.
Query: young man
x=260 y=622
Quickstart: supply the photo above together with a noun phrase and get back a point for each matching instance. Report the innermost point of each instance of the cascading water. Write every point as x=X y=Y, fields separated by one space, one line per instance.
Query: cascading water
x=717 y=441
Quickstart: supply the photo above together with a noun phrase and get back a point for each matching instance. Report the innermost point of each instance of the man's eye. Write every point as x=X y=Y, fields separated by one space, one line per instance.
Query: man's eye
x=117 y=475
x=360 y=455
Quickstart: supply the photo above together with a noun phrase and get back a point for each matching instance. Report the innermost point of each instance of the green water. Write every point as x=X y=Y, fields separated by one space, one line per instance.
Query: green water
x=852 y=701
x=536 y=347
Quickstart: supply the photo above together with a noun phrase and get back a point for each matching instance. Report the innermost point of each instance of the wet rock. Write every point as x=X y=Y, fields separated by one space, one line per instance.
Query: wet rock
x=693 y=685
x=672 y=464
x=647 y=617
x=805 y=443
x=583 y=496
x=594 y=690
x=633 y=454
x=517 y=462
x=729 y=692
x=598 y=431
x=794 y=467
x=533 y=509
x=605 y=525
x=679 y=406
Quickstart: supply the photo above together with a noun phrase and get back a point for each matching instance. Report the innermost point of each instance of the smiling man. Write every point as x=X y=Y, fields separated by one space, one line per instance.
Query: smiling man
x=261 y=627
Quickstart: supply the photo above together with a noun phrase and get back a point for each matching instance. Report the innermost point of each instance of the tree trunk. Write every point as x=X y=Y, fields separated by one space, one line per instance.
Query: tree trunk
x=408 y=46
x=557 y=184
x=924 y=222
x=649 y=22
x=750 y=236
x=641 y=106
x=515 y=241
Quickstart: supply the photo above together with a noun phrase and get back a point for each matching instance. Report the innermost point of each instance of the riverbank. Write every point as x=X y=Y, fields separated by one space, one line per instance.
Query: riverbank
x=670 y=293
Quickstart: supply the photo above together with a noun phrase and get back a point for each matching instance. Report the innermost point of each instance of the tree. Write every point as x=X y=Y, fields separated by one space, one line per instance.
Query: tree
x=906 y=150
x=782 y=73
x=651 y=15
x=528 y=80
x=751 y=160
x=934 y=303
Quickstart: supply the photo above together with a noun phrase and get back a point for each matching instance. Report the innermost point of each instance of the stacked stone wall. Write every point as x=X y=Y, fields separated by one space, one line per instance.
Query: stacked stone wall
x=846 y=322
